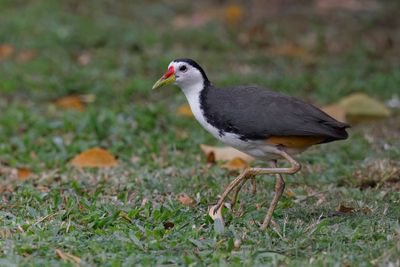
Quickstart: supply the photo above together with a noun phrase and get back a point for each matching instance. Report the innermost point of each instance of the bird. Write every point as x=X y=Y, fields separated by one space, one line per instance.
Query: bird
x=262 y=123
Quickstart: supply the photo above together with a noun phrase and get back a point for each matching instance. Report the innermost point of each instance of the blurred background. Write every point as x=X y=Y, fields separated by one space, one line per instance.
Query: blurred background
x=77 y=74
x=75 y=91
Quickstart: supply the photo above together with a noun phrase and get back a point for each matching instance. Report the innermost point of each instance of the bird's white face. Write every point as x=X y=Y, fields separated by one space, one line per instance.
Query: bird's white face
x=181 y=74
x=185 y=74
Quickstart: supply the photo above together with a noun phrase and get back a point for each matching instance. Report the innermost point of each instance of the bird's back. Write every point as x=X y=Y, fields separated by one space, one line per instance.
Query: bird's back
x=255 y=113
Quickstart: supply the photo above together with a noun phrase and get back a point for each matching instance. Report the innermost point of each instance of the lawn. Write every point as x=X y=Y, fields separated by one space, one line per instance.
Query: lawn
x=111 y=53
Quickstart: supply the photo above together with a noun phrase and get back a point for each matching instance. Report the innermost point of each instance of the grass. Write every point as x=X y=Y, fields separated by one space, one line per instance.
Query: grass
x=129 y=215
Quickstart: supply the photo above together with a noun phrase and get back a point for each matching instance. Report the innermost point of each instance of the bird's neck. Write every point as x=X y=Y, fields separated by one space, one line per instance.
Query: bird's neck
x=192 y=91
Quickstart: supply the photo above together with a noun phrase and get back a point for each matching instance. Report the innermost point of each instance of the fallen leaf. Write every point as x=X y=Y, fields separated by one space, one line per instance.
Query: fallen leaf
x=23 y=173
x=235 y=164
x=344 y=209
x=26 y=55
x=361 y=107
x=289 y=193
x=366 y=210
x=6 y=51
x=225 y=153
x=185 y=111
x=83 y=58
x=125 y=216
x=233 y=14
x=95 y=158
x=335 y=111
x=68 y=257
x=217 y=218
x=185 y=200
x=71 y=102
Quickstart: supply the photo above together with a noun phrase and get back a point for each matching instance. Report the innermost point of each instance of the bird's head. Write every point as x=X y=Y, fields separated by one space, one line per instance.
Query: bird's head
x=184 y=73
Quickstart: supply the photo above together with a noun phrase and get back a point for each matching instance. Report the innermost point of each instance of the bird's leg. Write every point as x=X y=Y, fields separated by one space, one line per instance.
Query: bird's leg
x=295 y=167
x=279 y=187
x=253 y=190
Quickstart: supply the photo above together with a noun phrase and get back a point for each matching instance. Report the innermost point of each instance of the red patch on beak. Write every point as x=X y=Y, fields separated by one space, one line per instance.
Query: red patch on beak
x=169 y=72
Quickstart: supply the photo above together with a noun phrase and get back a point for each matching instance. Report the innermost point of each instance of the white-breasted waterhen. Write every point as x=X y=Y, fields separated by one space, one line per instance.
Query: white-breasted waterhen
x=262 y=123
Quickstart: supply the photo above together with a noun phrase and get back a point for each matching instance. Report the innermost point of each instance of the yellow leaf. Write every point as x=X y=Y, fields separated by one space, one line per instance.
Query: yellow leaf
x=225 y=153
x=185 y=111
x=235 y=164
x=68 y=257
x=71 y=102
x=6 y=51
x=361 y=107
x=95 y=158
x=185 y=200
x=234 y=14
x=23 y=173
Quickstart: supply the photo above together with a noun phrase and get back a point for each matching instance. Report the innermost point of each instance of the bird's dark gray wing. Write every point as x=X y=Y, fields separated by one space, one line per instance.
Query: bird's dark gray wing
x=257 y=113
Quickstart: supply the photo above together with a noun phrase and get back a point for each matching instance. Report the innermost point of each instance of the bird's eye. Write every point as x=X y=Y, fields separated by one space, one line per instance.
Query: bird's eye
x=183 y=68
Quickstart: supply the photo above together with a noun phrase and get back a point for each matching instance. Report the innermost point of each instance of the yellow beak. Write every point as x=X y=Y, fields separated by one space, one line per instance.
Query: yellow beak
x=164 y=81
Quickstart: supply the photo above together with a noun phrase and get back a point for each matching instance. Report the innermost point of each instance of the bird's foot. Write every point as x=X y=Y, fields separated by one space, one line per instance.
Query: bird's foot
x=215 y=212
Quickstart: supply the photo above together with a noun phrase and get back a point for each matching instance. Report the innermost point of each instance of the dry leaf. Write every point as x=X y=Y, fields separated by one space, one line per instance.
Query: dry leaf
x=96 y=158
x=6 y=51
x=185 y=200
x=71 y=102
x=366 y=210
x=335 y=111
x=344 y=209
x=361 y=107
x=235 y=164
x=225 y=153
x=290 y=193
x=234 y=14
x=26 y=55
x=68 y=257
x=83 y=58
x=23 y=173
x=185 y=111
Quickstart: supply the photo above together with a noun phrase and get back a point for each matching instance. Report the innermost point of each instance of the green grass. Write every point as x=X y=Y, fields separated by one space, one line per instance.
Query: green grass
x=129 y=215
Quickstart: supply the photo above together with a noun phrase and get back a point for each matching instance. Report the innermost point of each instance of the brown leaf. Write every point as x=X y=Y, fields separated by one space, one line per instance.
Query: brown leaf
x=95 y=158
x=225 y=153
x=83 y=58
x=185 y=200
x=68 y=257
x=26 y=55
x=366 y=210
x=6 y=51
x=23 y=173
x=344 y=209
x=233 y=14
x=235 y=164
x=290 y=193
x=185 y=111
x=71 y=102
x=335 y=111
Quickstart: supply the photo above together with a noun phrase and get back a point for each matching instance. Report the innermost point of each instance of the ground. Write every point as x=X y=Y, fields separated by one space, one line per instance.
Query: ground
x=113 y=52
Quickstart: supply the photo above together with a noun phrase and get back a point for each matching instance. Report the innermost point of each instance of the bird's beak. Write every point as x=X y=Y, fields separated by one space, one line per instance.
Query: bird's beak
x=167 y=78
